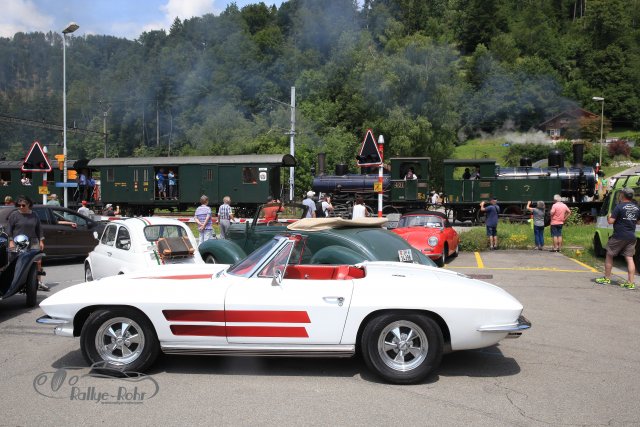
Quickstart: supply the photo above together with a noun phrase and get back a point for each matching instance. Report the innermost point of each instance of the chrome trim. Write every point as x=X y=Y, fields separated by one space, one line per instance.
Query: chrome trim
x=513 y=330
x=48 y=320
x=63 y=328
x=262 y=350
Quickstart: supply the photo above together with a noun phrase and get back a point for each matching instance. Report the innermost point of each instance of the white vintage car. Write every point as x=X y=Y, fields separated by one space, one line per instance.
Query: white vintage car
x=401 y=317
x=127 y=245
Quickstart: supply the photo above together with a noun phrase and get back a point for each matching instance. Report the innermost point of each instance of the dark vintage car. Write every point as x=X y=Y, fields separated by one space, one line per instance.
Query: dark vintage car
x=330 y=240
x=63 y=239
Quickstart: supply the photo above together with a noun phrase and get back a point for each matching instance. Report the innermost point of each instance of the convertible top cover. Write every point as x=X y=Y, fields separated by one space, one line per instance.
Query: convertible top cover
x=318 y=224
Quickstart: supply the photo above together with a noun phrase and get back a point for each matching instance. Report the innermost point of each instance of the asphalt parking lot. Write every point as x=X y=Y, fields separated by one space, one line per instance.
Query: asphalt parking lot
x=578 y=365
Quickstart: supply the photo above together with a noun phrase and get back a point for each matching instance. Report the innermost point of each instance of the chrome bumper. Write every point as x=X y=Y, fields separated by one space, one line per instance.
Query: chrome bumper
x=64 y=328
x=513 y=330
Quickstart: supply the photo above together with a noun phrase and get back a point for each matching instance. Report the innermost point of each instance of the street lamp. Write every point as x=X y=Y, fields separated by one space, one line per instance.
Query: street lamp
x=600 y=99
x=70 y=29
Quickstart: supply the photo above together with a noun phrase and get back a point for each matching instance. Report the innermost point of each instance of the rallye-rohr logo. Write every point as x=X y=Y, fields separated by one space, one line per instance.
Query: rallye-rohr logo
x=96 y=384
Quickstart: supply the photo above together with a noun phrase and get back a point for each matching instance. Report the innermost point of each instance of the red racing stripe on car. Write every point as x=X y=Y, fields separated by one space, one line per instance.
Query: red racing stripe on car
x=258 y=316
x=240 y=331
x=194 y=315
x=199 y=330
x=267 y=331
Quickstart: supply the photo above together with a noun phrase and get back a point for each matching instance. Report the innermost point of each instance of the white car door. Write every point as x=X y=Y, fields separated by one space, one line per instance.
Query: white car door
x=100 y=257
x=294 y=311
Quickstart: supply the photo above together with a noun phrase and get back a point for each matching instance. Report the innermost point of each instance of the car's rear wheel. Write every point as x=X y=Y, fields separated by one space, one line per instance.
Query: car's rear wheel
x=457 y=251
x=88 y=274
x=210 y=259
x=402 y=348
x=119 y=338
x=31 y=287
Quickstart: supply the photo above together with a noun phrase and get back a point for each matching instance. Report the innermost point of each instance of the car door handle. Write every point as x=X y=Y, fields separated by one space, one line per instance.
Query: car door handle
x=109 y=253
x=333 y=300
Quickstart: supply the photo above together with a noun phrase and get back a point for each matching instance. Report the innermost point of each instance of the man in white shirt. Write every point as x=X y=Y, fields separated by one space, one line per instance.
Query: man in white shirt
x=310 y=204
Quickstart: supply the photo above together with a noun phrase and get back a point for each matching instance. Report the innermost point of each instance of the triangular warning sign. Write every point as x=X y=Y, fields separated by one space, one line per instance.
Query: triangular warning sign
x=369 y=154
x=36 y=160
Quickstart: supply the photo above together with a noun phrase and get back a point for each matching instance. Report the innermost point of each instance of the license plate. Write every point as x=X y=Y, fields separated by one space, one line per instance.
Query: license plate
x=405 y=255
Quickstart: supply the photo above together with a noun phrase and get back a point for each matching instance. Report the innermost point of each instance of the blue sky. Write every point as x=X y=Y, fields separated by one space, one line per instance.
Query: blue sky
x=121 y=18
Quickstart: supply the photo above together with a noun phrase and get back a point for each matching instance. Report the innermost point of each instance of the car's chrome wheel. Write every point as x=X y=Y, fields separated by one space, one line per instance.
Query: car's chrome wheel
x=119 y=338
x=210 y=259
x=403 y=345
x=120 y=341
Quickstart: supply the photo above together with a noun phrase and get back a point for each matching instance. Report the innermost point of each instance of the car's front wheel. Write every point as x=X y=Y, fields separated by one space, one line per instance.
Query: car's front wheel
x=443 y=258
x=402 y=348
x=119 y=338
x=210 y=259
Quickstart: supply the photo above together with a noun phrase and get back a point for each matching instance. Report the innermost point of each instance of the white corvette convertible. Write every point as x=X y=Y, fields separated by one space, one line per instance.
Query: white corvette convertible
x=401 y=317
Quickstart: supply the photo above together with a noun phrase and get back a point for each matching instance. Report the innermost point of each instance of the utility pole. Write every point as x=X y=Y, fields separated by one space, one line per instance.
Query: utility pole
x=292 y=146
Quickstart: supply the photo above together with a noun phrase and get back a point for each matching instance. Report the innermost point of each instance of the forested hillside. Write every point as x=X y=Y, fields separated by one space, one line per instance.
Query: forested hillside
x=425 y=73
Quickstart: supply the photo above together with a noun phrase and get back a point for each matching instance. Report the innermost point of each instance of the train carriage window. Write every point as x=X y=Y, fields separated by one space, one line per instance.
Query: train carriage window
x=209 y=174
x=406 y=166
x=249 y=175
x=145 y=175
x=110 y=175
x=135 y=175
x=5 y=178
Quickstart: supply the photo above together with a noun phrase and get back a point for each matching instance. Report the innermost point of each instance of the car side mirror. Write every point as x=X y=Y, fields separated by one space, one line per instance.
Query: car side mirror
x=277 y=278
x=95 y=235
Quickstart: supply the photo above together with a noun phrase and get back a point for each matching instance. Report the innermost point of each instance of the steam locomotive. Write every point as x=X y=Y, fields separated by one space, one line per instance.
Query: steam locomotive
x=512 y=186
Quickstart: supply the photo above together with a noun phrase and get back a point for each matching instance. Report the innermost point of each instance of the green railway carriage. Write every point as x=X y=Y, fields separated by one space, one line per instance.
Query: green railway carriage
x=131 y=183
x=11 y=181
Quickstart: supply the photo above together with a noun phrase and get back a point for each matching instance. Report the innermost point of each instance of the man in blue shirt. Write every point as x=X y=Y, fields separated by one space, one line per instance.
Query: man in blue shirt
x=491 y=223
x=624 y=218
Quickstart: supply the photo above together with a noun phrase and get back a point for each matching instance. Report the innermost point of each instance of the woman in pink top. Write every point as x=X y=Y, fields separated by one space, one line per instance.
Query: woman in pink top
x=559 y=214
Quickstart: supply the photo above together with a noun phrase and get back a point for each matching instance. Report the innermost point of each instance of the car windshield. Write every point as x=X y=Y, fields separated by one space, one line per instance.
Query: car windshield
x=153 y=232
x=245 y=267
x=430 y=221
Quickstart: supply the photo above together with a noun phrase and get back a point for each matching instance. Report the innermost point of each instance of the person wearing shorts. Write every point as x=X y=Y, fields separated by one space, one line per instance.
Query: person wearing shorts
x=491 y=223
x=559 y=214
x=624 y=218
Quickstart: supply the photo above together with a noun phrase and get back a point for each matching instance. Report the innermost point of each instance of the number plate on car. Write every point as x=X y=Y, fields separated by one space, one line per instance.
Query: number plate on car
x=405 y=255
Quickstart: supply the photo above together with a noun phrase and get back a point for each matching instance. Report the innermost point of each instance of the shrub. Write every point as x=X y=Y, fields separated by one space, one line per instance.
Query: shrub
x=635 y=153
x=619 y=147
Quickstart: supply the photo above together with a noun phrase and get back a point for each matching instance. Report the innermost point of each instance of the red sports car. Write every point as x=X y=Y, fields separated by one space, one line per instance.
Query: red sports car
x=431 y=233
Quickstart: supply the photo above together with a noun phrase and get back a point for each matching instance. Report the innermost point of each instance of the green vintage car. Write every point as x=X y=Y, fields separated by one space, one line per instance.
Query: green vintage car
x=330 y=240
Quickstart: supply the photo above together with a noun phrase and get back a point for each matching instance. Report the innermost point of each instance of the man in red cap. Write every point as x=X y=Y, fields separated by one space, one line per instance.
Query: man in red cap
x=84 y=210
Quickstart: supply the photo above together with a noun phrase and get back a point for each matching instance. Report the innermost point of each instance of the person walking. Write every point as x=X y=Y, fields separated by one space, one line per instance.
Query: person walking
x=492 y=212
x=202 y=217
x=559 y=214
x=25 y=221
x=225 y=215
x=624 y=218
x=538 y=223
x=310 y=204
